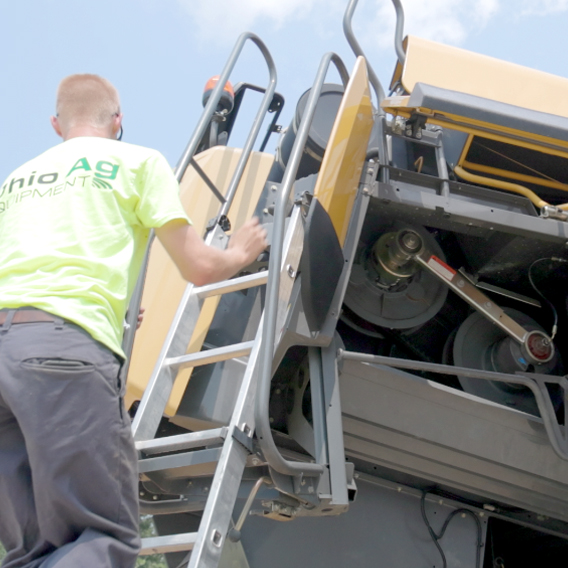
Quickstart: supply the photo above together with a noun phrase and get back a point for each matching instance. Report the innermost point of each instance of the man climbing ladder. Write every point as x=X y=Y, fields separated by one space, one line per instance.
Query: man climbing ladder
x=74 y=224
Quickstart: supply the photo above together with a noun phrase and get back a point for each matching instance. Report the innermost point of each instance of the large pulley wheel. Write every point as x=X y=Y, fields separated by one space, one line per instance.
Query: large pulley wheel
x=395 y=298
x=480 y=344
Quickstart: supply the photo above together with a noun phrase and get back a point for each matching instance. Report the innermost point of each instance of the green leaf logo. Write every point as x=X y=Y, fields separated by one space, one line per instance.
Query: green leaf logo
x=101 y=183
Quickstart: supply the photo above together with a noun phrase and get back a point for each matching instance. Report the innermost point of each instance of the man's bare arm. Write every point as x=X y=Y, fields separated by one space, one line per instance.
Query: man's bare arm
x=202 y=264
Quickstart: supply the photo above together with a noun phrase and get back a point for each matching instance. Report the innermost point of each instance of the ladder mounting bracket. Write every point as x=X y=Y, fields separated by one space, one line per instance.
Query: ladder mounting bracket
x=243 y=439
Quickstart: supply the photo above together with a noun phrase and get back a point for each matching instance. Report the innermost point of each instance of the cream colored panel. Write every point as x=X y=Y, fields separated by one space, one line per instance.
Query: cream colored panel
x=456 y=69
x=164 y=285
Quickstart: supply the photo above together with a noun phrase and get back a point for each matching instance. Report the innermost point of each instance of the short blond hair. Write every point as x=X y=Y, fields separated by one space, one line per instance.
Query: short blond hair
x=86 y=99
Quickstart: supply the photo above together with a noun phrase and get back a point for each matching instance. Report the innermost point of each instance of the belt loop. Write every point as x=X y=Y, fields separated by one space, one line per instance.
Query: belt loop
x=8 y=321
x=58 y=322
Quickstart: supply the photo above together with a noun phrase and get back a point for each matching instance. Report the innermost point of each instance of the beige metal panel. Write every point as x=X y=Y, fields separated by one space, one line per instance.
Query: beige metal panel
x=164 y=285
x=480 y=75
x=340 y=172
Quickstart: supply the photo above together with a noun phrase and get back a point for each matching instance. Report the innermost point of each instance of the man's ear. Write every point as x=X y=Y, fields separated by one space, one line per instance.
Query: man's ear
x=56 y=126
x=116 y=124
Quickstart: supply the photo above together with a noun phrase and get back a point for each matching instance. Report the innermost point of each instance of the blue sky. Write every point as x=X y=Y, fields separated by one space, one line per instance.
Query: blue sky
x=159 y=53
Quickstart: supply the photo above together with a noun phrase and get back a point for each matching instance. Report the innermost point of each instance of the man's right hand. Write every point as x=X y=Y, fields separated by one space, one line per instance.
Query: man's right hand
x=250 y=239
x=202 y=264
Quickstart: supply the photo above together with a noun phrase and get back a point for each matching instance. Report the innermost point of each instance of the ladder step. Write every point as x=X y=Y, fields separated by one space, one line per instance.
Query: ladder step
x=196 y=459
x=233 y=285
x=182 y=441
x=210 y=356
x=168 y=543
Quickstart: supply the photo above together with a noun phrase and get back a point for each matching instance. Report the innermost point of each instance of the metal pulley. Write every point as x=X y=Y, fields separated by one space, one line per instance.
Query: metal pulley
x=480 y=344
x=388 y=287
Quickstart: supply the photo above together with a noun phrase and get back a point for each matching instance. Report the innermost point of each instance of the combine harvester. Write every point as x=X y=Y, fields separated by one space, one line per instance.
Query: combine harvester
x=389 y=377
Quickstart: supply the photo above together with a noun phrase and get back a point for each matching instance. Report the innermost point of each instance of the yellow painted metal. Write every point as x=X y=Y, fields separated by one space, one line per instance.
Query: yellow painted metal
x=342 y=164
x=460 y=70
x=536 y=142
x=465 y=150
x=398 y=106
x=499 y=184
x=164 y=285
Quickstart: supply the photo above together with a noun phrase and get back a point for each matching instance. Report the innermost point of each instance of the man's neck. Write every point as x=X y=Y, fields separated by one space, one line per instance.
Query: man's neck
x=87 y=130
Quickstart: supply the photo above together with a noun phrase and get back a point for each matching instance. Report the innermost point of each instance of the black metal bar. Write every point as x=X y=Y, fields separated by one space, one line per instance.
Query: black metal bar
x=207 y=180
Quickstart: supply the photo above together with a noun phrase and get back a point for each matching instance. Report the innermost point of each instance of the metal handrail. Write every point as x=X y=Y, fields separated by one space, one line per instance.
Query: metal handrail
x=204 y=121
x=398 y=47
x=358 y=51
x=211 y=106
x=263 y=431
x=374 y=80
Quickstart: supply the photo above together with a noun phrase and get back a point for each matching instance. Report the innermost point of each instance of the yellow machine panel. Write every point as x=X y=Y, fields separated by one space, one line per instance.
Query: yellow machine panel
x=340 y=172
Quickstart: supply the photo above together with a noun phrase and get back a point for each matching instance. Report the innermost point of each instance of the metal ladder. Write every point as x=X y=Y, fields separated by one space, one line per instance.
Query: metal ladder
x=236 y=437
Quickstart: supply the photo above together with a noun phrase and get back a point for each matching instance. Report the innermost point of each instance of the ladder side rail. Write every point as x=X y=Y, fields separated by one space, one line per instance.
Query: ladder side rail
x=226 y=482
x=157 y=392
x=271 y=453
x=131 y=319
x=218 y=509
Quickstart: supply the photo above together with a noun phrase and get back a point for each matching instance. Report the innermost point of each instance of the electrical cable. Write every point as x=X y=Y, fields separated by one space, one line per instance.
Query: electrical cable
x=546 y=300
x=436 y=537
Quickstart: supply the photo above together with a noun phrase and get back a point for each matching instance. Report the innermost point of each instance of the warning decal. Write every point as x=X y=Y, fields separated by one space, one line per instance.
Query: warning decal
x=441 y=268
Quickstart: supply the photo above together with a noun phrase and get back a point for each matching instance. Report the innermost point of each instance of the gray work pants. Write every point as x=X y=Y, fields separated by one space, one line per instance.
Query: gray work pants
x=68 y=480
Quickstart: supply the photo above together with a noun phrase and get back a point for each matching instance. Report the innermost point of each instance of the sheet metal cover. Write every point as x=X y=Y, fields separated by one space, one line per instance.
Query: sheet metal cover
x=344 y=157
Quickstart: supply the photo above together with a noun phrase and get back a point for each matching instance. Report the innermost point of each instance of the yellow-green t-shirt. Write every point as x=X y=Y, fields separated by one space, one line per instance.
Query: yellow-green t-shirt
x=74 y=225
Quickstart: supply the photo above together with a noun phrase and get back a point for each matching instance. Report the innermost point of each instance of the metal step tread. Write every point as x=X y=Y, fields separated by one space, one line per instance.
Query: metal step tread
x=185 y=459
x=233 y=285
x=210 y=355
x=182 y=441
x=168 y=543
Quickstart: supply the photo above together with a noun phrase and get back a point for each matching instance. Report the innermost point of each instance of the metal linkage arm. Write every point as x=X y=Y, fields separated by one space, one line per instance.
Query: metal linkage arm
x=409 y=246
x=266 y=441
